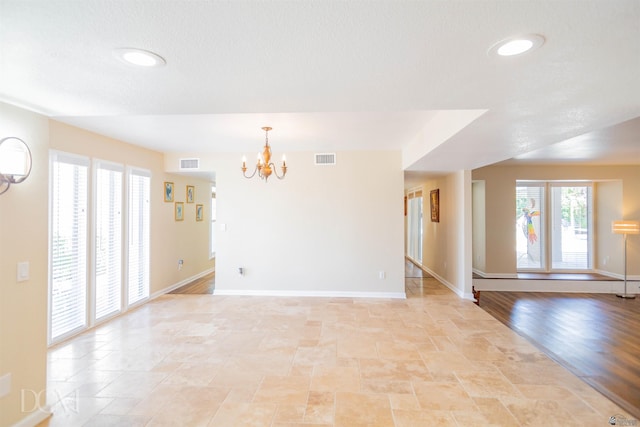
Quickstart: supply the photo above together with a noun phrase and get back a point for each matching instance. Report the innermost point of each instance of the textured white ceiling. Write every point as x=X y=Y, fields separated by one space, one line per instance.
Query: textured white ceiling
x=333 y=74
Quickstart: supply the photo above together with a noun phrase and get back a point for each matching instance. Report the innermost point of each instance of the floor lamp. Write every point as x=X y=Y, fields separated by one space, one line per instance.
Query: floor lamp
x=626 y=228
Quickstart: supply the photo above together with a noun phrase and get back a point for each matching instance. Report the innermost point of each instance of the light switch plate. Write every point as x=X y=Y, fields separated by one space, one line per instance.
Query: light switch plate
x=5 y=384
x=23 y=271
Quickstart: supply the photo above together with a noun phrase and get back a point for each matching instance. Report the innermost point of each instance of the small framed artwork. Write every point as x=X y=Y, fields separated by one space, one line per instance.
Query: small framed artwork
x=199 y=212
x=179 y=211
x=168 y=191
x=434 y=198
x=191 y=193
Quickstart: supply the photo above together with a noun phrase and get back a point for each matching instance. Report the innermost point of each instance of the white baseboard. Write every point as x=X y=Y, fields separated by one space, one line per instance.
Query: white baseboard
x=35 y=417
x=442 y=280
x=324 y=294
x=495 y=275
x=414 y=261
x=180 y=283
x=630 y=277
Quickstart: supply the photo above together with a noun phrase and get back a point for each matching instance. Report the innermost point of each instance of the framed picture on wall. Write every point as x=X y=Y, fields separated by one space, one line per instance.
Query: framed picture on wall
x=168 y=191
x=434 y=199
x=199 y=212
x=191 y=193
x=179 y=211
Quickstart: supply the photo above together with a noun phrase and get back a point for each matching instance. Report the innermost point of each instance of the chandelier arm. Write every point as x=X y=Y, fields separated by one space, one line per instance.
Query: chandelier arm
x=252 y=175
x=275 y=171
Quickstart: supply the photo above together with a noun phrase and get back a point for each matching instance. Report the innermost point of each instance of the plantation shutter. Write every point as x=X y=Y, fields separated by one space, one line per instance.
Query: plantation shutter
x=68 y=245
x=138 y=232
x=108 y=239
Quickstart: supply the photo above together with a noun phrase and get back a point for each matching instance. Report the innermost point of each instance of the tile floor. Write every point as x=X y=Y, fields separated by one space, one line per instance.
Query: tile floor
x=202 y=360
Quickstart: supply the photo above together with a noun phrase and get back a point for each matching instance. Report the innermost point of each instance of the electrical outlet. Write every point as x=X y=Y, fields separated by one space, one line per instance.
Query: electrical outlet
x=382 y=275
x=240 y=271
x=180 y=263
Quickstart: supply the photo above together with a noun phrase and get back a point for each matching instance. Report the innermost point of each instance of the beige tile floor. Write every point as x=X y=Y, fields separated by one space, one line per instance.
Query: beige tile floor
x=202 y=360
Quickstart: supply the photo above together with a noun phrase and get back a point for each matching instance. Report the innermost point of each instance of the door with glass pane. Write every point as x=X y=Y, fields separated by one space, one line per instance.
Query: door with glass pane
x=571 y=229
x=212 y=230
x=414 y=226
x=530 y=220
x=108 y=239
x=68 y=245
x=561 y=240
x=138 y=236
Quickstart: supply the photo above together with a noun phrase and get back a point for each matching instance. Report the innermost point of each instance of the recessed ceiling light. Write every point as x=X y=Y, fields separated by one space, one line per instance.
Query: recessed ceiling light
x=139 y=57
x=517 y=45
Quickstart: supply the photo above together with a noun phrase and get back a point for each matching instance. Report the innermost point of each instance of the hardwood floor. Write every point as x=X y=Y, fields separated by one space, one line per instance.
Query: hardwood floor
x=596 y=336
x=204 y=285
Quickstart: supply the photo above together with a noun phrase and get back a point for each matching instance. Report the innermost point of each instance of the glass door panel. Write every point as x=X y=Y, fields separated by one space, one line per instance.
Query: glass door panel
x=529 y=225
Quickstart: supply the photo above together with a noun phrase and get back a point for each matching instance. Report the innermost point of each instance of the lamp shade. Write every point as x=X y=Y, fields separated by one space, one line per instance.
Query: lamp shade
x=15 y=160
x=625 y=227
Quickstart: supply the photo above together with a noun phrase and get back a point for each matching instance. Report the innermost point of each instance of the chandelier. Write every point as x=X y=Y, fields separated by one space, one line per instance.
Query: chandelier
x=264 y=166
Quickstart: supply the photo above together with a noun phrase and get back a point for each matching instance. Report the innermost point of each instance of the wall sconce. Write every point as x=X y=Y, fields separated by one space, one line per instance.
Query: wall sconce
x=15 y=162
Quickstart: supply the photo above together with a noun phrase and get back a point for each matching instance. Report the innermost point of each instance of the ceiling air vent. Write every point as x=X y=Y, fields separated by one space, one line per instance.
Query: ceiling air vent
x=190 y=164
x=326 y=159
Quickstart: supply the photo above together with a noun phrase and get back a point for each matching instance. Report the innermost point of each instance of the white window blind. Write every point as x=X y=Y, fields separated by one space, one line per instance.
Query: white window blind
x=571 y=227
x=108 y=239
x=214 y=213
x=68 y=245
x=414 y=226
x=138 y=232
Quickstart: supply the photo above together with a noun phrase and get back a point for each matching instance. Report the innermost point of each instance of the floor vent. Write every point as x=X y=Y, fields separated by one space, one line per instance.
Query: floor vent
x=326 y=159
x=189 y=164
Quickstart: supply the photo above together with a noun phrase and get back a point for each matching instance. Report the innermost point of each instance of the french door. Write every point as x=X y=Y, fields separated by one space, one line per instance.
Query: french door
x=88 y=281
x=554 y=226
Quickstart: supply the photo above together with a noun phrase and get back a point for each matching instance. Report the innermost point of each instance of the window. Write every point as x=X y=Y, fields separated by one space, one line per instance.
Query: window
x=108 y=239
x=67 y=245
x=414 y=226
x=138 y=235
x=561 y=240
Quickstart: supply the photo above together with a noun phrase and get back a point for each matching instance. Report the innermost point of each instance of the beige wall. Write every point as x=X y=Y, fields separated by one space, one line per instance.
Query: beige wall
x=23 y=237
x=478 y=221
x=608 y=207
x=170 y=240
x=614 y=201
x=323 y=230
